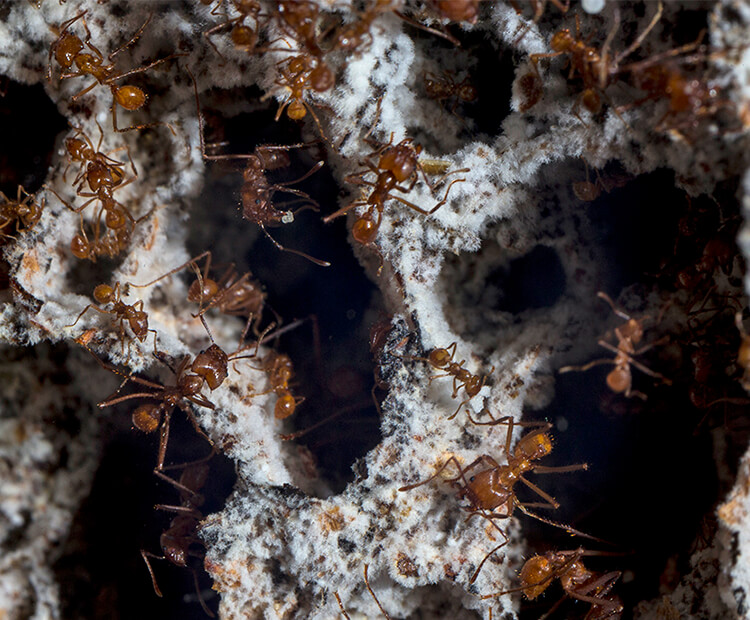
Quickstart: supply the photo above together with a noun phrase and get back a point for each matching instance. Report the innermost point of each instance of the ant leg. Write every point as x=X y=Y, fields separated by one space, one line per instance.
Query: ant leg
x=487 y=557
x=205 y=254
x=133 y=39
x=134 y=127
x=341 y=606
x=562 y=526
x=586 y=367
x=367 y=583
x=146 y=555
x=343 y=210
x=551 y=502
x=639 y=39
x=452 y=459
x=621 y=313
x=163 y=440
x=81 y=93
x=151 y=65
x=541 y=469
x=307 y=175
x=321 y=263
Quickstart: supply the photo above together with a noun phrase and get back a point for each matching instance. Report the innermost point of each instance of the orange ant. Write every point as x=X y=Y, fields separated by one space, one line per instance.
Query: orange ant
x=257 y=191
x=113 y=243
x=133 y=314
x=577 y=581
x=68 y=50
x=620 y=379
x=243 y=36
x=176 y=541
x=395 y=164
x=595 y=68
x=442 y=359
x=97 y=168
x=491 y=493
x=279 y=368
x=442 y=88
x=232 y=295
x=23 y=211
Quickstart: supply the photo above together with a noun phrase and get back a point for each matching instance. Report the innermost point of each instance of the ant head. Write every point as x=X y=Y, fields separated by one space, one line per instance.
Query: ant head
x=257 y=206
x=562 y=41
x=138 y=321
x=211 y=364
x=146 y=417
x=77 y=148
x=67 y=48
x=298 y=64
x=439 y=358
x=620 y=379
x=632 y=330
x=199 y=295
x=400 y=160
x=534 y=446
x=586 y=191
x=130 y=97
x=458 y=10
x=467 y=92
x=365 y=229
x=80 y=247
x=322 y=78
x=591 y=100
x=536 y=575
x=104 y=294
x=285 y=406
x=244 y=37
x=296 y=110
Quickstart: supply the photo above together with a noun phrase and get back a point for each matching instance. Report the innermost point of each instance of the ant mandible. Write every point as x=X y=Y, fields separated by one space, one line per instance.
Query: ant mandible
x=176 y=541
x=442 y=359
x=620 y=379
x=68 y=50
x=257 y=192
x=577 y=581
x=491 y=492
x=133 y=314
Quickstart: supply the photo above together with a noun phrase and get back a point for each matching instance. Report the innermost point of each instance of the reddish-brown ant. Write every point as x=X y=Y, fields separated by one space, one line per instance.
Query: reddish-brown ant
x=243 y=36
x=595 y=68
x=133 y=314
x=232 y=294
x=24 y=212
x=257 y=192
x=68 y=50
x=577 y=581
x=395 y=165
x=178 y=539
x=620 y=379
x=442 y=359
x=491 y=492
x=280 y=371
x=445 y=87
x=111 y=244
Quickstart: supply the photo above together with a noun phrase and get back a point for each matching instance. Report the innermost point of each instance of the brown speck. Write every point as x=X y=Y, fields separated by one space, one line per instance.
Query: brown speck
x=406 y=566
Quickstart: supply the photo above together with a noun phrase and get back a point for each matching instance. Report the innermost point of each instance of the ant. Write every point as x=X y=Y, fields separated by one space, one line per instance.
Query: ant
x=620 y=379
x=577 y=581
x=133 y=314
x=113 y=243
x=298 y=74
x=395 y=164
x=257 y=192
x=595 y=68
x=442 y=88
x=232 y=295
x=23 y=211
x=491 y=493
x=68 y=50
x=279 y=368
x=176 y=541
x=243 y=36
x=442 y=359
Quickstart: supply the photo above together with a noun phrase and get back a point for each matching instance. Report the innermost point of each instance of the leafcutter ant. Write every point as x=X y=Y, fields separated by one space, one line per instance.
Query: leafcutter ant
x=491 y=492
x=257 y=192
x=243 y=36
x=68 y=50
x=577 y=581
x=620 y=379
x=445 y=87
x=442 y=359
x=179 y=539
x=24 y=212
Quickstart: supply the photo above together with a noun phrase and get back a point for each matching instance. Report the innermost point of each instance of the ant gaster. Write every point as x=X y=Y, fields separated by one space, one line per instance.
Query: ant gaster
x=577 y=581
x=491 y=492
x=620 y=379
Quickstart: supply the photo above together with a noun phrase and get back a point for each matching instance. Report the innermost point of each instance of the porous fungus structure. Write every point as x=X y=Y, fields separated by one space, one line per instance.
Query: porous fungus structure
x=508 y=161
